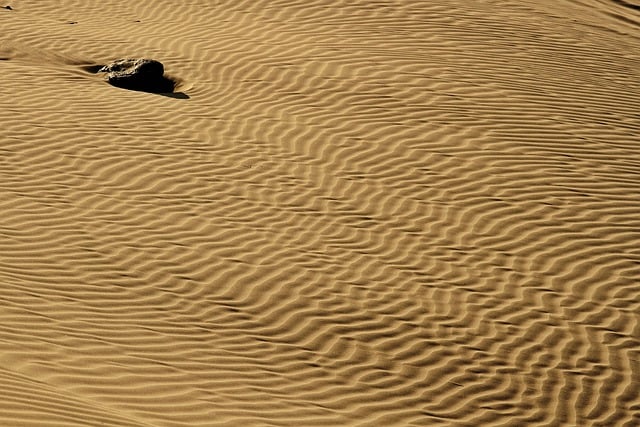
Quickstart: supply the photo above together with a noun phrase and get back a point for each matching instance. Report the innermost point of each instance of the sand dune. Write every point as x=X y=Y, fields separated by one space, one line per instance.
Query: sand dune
x=367 y=213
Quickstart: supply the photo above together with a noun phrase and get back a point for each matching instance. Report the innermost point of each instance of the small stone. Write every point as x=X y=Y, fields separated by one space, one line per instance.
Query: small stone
x=146 y=75
x=8 y=7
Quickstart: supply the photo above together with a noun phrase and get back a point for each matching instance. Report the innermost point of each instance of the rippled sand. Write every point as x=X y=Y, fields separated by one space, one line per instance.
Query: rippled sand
x=352 y=213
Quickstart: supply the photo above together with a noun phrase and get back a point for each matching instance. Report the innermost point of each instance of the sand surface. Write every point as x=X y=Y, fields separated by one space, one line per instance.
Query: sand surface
x=351 y=213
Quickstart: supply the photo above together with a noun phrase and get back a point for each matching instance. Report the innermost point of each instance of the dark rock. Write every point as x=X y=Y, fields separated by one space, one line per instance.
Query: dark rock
x=146 y=75
x=8 y=8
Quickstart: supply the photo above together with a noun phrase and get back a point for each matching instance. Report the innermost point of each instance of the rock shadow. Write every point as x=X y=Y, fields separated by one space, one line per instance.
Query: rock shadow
x=142 y=75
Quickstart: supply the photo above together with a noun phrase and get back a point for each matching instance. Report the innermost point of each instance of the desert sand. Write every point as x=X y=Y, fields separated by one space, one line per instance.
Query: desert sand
x=349 y=213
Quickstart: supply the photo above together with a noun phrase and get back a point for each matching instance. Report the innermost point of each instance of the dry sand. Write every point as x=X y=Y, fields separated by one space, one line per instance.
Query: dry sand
x=355 y=213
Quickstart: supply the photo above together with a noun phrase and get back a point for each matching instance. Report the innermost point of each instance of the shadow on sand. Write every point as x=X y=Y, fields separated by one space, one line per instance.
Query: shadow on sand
x=163 y=86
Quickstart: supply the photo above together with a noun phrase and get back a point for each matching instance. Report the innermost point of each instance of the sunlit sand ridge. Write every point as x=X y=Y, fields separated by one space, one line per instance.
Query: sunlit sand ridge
x=352 y=213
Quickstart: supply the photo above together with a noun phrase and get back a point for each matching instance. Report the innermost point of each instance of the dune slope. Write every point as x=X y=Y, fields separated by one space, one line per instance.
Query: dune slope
x=350 y=213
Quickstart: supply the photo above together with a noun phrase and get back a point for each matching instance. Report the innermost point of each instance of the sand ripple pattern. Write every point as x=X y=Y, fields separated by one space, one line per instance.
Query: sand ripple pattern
x=368 y=213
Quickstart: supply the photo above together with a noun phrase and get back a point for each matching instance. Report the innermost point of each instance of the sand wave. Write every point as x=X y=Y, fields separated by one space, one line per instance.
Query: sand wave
x=374 y=213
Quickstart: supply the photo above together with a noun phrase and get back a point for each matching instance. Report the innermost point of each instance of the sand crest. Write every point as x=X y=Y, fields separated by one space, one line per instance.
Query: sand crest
x=357 y=213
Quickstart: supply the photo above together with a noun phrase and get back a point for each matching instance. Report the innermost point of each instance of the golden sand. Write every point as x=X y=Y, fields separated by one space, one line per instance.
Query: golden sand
x=353 y=213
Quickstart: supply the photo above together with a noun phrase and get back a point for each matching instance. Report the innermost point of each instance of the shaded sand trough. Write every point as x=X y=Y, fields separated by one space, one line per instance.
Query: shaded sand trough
x=367 y=213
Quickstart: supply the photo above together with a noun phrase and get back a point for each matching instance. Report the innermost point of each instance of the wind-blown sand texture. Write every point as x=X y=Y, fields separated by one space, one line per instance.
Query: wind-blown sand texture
x=353 y=213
